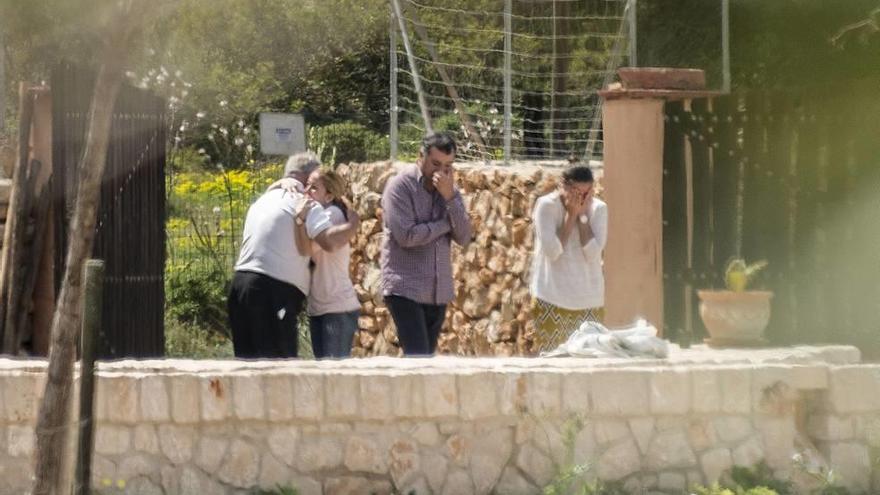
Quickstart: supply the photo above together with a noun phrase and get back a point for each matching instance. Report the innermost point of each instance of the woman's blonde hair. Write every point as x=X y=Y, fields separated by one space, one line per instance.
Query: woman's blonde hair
x=333 y=182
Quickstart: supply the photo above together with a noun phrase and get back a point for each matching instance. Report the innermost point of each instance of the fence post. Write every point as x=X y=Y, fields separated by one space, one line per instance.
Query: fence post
x=393 y=131
x=508 y=90
x=633 y=33
x=417 y=80
x=91 y=322
x=725 y=46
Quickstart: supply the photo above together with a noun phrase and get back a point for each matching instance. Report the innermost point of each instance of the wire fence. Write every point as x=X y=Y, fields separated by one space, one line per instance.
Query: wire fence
x=514 y=80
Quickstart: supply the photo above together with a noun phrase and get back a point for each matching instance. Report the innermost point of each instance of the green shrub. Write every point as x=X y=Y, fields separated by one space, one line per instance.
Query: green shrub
x=193 y=342
x=716 y=489
x=760 y=476
x=348 y=142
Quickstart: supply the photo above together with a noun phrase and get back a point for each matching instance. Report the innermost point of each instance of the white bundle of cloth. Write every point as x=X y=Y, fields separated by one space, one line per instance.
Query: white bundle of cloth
x=594 y=340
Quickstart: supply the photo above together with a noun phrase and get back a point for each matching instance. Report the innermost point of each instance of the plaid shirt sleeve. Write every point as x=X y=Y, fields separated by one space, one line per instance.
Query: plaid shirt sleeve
x=399 y=214
x=459 y=220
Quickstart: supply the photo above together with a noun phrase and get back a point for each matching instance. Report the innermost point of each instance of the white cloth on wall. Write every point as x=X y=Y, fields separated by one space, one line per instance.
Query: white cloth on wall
x=594 y=340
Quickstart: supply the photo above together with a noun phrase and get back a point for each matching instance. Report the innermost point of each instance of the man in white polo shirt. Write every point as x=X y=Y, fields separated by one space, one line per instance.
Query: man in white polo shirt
x=272 y=276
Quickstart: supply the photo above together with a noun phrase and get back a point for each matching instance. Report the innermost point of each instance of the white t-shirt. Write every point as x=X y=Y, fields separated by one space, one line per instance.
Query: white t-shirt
x=569 y=276
x=332 y=290
x=268 y=245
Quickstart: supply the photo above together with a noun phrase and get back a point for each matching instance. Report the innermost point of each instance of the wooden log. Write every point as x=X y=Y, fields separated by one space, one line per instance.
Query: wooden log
x=44 y=292
x=21 y=264
x=31 y=262
x=19 y=183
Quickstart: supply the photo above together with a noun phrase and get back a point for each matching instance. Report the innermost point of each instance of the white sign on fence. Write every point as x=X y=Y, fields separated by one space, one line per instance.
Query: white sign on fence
x=282 y=133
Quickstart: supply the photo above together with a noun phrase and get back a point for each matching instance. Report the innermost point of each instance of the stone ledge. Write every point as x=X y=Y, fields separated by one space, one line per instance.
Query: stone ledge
x=699 y=355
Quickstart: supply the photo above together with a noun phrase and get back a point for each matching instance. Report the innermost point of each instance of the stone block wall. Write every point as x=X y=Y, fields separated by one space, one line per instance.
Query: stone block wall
x=453 y=425
x=490 y=313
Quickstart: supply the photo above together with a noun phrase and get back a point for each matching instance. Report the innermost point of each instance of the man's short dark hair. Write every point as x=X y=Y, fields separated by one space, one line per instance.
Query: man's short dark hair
x=442 y=141
x=580 y=173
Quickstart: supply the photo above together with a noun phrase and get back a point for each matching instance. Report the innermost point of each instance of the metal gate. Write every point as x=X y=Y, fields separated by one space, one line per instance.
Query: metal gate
x=130 y=231
x=792 y=177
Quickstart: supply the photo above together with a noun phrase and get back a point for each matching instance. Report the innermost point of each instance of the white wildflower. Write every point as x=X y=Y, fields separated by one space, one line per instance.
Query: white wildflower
x=224 y=131
x=493 y=110
x=223 y=103
x=200 y=115
x=178 y=73
x=249 y=148
x=129 y=74
x=202 y=151
x=216 y=210
x=239 y=141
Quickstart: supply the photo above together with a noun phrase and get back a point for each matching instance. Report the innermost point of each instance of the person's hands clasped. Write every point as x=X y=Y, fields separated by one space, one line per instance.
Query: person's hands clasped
x=575 y=203
x=444 y=183
x=586 y=204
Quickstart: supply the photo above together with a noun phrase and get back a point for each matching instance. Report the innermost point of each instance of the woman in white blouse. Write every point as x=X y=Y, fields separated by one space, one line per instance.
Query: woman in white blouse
x=568 y=286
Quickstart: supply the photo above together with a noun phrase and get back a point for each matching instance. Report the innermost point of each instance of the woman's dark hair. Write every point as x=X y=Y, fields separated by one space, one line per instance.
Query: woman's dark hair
x=580 y=173
x=442 y=141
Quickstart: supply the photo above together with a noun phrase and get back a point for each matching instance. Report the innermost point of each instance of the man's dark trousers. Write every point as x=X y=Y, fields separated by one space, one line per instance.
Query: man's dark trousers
x=418 y=325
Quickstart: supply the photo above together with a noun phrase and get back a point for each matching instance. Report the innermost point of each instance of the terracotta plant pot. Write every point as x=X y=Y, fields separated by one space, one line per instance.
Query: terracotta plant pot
x=735 y=318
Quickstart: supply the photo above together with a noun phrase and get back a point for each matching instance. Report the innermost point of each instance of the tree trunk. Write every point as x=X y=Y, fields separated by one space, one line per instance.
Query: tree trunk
x=54 y=415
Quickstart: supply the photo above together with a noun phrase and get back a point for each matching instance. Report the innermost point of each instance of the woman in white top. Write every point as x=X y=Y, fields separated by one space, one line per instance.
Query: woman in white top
x=568 y=286
x=333 y=305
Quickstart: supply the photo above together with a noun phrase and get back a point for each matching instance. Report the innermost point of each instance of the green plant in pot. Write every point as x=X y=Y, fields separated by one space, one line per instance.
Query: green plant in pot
x=736 y=316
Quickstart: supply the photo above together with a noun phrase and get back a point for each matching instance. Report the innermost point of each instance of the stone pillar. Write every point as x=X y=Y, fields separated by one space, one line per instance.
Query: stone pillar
x=633 y=184
x=633 y=130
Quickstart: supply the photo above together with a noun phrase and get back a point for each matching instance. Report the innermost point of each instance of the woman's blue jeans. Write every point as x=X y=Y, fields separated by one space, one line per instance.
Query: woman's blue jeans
x=332 y=334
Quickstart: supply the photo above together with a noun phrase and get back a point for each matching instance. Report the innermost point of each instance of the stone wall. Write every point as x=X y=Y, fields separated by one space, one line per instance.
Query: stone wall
x=490 y=314
x=459 y=425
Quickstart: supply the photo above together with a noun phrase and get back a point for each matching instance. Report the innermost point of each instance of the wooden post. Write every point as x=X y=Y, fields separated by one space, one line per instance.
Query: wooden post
x=16 y=221
x=93 y=303
x=43 y=298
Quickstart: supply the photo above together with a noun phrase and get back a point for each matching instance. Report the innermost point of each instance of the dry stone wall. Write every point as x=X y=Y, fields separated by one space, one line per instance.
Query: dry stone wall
x=456 y=425
x=490 y=314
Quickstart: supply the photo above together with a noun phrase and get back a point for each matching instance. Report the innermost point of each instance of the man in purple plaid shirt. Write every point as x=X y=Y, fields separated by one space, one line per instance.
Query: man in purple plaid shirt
x=423 y=213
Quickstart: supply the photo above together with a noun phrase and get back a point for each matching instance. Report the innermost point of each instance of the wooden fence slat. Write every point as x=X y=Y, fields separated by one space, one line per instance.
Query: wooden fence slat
x=126 y=232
